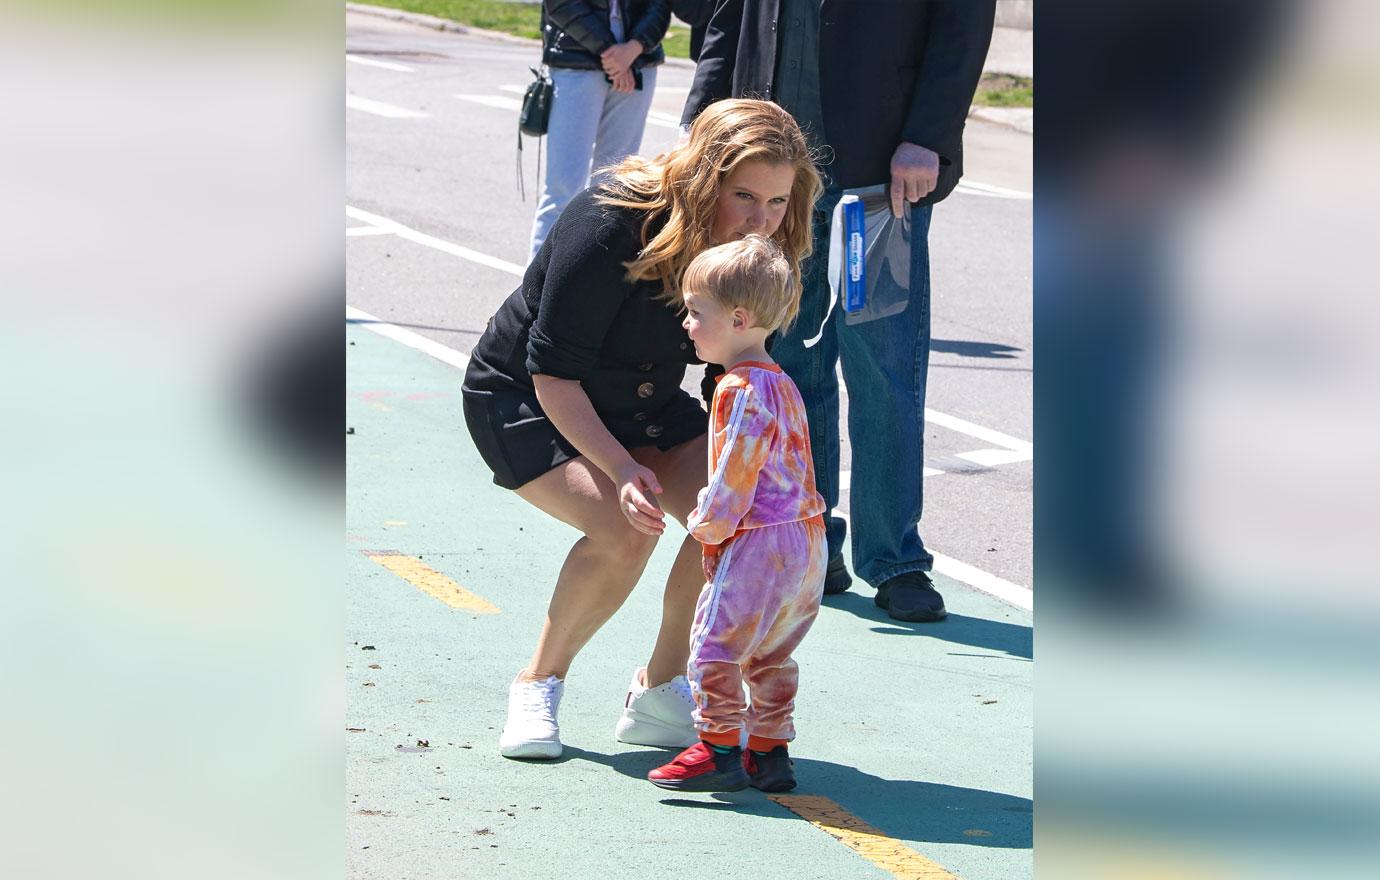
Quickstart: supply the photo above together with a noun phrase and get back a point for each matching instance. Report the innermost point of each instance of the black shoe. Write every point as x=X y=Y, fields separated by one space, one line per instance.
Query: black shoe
x=836 y=578
x=773 y=771
x=912 y=597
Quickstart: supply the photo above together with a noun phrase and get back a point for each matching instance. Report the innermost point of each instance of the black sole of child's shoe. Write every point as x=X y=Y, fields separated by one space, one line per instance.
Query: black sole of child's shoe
x=774 y=786
x=709 y=782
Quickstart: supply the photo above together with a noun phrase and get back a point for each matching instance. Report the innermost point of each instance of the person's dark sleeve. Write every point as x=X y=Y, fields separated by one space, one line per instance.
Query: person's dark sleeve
x=650 y=29
x=586 y=284
x=714 y=70
x=960 y=32
x=696 y=14
x=693 y=12
x=582 y=23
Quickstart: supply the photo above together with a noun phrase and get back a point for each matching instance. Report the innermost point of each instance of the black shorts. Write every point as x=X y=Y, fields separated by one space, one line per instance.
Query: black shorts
x=518 y=442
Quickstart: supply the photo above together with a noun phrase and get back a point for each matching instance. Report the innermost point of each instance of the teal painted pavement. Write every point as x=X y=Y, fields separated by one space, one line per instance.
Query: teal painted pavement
x=923 y=731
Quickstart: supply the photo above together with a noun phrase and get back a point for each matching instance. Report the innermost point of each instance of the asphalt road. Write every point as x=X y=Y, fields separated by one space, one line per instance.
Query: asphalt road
x=449 y=170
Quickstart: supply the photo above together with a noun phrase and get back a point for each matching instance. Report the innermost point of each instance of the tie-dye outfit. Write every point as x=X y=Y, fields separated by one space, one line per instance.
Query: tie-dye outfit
x=763 y=519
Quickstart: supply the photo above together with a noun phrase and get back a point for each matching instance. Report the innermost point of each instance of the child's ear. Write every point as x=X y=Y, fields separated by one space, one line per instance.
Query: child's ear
x=741 y=319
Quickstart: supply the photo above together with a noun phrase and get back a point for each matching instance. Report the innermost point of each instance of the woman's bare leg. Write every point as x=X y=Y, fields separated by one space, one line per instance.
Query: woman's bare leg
x=682 y=473
x=672 y=650
x=600 y=570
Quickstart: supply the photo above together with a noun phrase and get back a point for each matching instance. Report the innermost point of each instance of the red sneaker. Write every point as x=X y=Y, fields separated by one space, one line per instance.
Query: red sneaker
x=700 y=768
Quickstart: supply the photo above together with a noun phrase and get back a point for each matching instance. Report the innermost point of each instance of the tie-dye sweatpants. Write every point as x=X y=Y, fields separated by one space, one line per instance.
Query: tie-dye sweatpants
x=764 y=596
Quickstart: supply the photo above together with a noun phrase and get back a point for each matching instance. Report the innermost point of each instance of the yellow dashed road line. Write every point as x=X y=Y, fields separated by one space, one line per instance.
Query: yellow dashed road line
x=431 y=581
x=885 y=852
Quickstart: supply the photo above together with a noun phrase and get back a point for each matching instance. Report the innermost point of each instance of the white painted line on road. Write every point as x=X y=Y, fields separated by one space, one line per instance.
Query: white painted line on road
x=386 y=65
x=846 y=477
x=1021 y=597
x=665 y=120
x=977 y=188
x=933 y=417
x=995 y=457
x=945 y=565
x=498 y=101
x=352 y=231
x=522 y=90
x=672 y=121
x=954 y=423
x=433 y=242
x=378 y=108
x=442 y=353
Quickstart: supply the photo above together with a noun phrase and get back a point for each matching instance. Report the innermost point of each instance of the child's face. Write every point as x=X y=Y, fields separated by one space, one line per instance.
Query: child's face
x=711 y=327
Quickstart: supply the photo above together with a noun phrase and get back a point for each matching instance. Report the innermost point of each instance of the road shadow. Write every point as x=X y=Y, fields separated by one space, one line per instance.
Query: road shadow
x=968 y=348
x=637 y=764
x=905 y=809
x=975 y=632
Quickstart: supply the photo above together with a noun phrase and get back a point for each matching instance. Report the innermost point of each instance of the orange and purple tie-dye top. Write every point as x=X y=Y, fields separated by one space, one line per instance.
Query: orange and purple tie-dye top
x=760 y=469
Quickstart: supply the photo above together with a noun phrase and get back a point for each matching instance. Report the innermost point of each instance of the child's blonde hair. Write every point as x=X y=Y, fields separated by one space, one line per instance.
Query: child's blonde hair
x=752 y=273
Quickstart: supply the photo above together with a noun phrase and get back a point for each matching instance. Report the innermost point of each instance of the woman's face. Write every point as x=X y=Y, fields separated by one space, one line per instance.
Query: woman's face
x=753 y=198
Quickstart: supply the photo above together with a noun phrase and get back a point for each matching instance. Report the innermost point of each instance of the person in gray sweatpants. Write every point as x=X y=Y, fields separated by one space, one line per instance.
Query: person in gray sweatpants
x=603 y=56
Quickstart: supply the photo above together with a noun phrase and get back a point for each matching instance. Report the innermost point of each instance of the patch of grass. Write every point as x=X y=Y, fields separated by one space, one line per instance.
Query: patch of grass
x=518 y=19
x=1005 y=90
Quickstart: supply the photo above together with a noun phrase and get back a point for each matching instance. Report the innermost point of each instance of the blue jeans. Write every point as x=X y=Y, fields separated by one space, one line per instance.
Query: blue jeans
x=591 y=126
x=885 y=366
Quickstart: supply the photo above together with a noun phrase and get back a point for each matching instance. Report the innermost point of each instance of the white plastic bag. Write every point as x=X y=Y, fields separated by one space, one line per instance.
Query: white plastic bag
x=886 y=259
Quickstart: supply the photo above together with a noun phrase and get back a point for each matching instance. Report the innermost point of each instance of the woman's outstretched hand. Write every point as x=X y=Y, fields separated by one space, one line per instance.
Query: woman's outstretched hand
x=637 y=491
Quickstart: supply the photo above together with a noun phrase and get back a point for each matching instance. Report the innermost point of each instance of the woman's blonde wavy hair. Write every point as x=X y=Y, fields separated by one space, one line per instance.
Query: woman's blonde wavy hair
x=683 y=184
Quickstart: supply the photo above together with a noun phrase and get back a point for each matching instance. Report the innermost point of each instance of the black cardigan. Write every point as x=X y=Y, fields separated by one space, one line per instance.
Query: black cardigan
x=577 y=316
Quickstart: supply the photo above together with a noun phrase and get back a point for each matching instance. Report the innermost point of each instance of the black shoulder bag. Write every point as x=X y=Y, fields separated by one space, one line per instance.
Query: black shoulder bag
x=534 y=117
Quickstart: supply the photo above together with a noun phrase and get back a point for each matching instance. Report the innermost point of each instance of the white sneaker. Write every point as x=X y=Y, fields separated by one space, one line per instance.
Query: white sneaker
x=532 y=731
x=658 y=716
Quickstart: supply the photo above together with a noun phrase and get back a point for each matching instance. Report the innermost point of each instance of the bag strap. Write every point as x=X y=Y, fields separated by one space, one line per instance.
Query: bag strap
x=541 y=72
x=522 y=185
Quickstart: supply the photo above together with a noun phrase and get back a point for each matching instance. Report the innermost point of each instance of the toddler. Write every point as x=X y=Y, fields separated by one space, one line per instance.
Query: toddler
x=760 y=520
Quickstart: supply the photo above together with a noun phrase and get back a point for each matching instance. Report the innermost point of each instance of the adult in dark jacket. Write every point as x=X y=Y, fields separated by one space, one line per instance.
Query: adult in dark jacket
x=695 y=13
x=603 y=56
x=573 y=394
x=882 y=89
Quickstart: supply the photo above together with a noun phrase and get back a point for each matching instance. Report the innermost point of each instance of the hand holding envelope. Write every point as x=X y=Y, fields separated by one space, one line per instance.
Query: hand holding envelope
x=914 y=175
